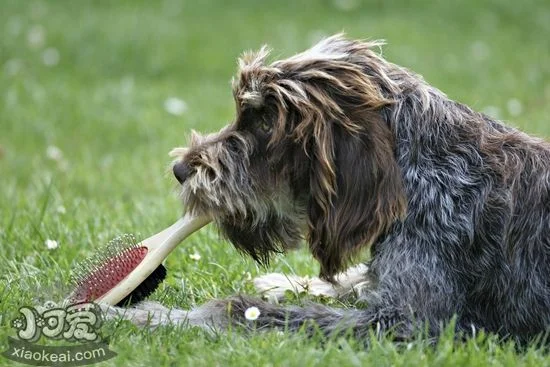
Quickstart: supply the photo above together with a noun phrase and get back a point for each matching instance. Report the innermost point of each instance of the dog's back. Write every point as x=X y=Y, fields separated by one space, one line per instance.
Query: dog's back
x=478 y=205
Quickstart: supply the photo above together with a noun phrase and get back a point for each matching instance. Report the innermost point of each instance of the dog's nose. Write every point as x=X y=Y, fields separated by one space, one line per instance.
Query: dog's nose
x=181 y=171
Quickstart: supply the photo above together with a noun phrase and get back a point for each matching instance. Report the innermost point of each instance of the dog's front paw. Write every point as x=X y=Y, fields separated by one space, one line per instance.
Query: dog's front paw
x=274 y=286
x=350 y=283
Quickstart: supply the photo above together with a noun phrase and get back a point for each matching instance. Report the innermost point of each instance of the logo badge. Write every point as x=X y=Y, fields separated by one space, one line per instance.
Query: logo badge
x=78 y=323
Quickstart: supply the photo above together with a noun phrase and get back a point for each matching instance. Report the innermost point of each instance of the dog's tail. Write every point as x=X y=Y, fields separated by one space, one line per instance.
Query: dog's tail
x=311 y=317
x=255 y=314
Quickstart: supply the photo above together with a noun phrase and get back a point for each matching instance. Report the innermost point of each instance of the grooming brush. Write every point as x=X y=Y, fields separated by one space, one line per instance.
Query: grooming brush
x=125 y=271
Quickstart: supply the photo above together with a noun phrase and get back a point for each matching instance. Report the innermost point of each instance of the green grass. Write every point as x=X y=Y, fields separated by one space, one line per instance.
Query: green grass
x=102 y=106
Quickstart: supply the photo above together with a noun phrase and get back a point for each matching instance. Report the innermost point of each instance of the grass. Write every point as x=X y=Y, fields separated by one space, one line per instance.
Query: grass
x=91 y=78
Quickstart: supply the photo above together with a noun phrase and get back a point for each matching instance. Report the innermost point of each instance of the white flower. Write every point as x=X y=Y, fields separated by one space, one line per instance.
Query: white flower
x=50 y=57
x=514 y=107
x=54 y=153
x=480 y=50
x=252 y=313
x=175 y=106
x=36 y=36
x=51 y=244
x=61 y=209
x=196 y=256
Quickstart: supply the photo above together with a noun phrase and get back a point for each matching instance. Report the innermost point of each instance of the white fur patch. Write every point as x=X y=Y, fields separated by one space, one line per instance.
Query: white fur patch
x=273 y=286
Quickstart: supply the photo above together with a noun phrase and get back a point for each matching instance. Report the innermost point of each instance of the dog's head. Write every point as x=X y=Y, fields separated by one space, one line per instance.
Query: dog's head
x=308 y=156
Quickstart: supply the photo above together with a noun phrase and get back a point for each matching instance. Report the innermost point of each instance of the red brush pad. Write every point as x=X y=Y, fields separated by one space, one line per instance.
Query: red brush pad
x=108 y=274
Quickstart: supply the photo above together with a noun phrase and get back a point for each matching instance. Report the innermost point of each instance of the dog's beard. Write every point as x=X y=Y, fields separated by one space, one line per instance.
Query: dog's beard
x=274 y=234
x=254 y=223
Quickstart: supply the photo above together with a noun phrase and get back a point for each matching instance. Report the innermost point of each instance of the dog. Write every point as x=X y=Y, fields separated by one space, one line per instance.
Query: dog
x=344 y=150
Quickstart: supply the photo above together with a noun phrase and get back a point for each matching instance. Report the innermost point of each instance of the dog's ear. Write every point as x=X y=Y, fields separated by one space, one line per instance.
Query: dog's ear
x=356 y=191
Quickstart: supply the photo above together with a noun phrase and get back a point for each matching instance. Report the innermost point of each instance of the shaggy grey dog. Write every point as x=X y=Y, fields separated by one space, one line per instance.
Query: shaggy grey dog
x=343 y=149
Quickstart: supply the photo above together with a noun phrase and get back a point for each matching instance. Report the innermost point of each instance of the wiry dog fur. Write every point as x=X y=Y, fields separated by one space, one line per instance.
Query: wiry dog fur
x=344 y=149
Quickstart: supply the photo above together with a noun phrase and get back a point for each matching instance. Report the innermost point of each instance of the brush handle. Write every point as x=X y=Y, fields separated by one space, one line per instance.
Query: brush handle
x=159 y=247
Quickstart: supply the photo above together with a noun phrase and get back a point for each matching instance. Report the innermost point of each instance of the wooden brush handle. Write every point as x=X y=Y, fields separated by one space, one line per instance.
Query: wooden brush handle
x=159 y=247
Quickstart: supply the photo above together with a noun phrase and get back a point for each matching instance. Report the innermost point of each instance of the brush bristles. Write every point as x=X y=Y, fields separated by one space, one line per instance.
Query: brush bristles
x=116 y=246
x=106 y=268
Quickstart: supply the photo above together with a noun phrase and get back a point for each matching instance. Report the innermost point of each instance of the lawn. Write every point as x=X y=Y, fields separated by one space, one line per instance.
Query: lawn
x=93 y=95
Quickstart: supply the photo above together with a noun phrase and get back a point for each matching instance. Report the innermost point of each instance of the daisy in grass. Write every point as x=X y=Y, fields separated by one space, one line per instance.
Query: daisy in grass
x=51 y=244
x=252 y=313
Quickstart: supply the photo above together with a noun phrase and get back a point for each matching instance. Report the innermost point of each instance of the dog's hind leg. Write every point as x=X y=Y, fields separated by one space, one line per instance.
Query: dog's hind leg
x=349 y=284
